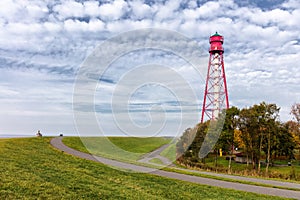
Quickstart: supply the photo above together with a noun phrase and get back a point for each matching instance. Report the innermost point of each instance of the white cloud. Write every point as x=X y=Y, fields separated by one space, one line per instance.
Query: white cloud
x=37 y=11
x=9 y=9
x=192 y=4
x=23 y=11
x=69 y=9
x=114 y=10
x=209 y=9
x=291 y=4
x=264 y=18
x=126 y=25
x=52 y=27
x=168 y=10
x=91 y=8
x=141 y=10
x=51 y=39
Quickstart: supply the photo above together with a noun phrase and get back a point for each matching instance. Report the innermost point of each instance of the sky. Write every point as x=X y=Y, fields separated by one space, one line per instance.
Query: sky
x=45 y=46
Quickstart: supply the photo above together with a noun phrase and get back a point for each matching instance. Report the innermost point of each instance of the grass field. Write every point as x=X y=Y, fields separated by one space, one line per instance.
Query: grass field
x=156 y=161
x=32 y=169
x=98 y=146
x=120 y=148
x=170 y=152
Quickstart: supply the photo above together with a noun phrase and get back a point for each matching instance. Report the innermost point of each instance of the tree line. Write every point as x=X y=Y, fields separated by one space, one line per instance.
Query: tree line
x=257 y=131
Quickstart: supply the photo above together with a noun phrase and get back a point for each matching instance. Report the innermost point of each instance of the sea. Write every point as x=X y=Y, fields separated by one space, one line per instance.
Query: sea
x=16 y=136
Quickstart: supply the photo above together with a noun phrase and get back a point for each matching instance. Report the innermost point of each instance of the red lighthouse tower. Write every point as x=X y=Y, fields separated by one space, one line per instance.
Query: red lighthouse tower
x=215 y=95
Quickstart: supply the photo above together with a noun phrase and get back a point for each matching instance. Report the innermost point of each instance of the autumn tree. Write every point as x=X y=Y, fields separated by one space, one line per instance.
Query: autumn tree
x=256 y=124
x=256 y=129
x=294 y=130
x=295 y=111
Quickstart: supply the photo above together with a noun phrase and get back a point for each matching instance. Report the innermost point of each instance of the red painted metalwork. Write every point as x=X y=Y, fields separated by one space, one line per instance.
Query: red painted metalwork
x=215 y=94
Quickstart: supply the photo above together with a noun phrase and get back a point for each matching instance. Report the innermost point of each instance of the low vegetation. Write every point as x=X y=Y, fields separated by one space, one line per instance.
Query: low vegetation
x=156 y=161
x=170 y=152
x=120 y=148
x=32 y=169
x=269 y=147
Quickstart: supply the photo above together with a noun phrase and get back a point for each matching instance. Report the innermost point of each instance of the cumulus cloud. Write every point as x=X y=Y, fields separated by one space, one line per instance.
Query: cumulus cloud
x=114 y=10
x=69 y=9
x=43 y=43
x=140 y=10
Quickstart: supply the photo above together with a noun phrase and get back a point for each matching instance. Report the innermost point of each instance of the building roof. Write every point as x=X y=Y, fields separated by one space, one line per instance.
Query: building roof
x=216 y=34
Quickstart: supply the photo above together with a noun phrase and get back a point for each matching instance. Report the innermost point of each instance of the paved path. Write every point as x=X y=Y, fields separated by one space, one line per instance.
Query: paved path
x=156 y=154
x=166 y=162
x=57 y=143
x=250 y=179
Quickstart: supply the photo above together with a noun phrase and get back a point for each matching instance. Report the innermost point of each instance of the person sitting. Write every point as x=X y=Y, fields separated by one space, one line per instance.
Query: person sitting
x=38 y=134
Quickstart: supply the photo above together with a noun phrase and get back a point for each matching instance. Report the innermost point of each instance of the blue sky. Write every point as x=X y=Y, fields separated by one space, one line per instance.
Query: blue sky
x=43 y=43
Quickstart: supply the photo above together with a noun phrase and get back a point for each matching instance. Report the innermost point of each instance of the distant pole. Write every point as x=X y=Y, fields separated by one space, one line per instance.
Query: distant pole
x=215 y=94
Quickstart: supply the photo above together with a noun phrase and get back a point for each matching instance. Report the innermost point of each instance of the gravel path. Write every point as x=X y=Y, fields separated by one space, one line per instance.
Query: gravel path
x=57 y=143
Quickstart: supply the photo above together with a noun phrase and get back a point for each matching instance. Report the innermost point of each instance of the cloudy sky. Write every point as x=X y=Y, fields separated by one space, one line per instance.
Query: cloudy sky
x=44 y=44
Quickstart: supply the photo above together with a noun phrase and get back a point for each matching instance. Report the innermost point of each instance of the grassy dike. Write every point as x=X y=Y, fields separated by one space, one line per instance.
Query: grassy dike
x=120 y=148
x=32 y=169
x=136 y=144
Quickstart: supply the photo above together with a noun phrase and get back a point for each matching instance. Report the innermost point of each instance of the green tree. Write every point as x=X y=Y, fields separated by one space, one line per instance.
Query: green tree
x=284 y=144
x=191 y=141
x=256 y=129
x=226 y=140
x=256 y=124
x=269 y=127
x=248 y=126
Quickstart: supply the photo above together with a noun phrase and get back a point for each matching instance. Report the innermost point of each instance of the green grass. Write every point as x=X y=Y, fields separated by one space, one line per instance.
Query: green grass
x=281 y=172
x=119 y=148
x=170 y=152
x=139 y=145
x=32 y=169
x=199 y=174
x=156 y=161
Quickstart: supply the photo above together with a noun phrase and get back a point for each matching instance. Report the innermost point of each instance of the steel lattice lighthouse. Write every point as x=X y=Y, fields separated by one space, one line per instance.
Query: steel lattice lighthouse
x=215 y=95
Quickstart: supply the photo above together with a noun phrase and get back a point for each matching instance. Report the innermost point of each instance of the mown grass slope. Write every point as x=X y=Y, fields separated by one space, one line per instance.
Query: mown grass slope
x=121 y=148
x=31 y=169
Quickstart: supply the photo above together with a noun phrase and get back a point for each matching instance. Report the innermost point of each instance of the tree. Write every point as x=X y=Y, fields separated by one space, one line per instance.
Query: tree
x=249 y=128
x=282 y=143
x=256 y=124
x=294 y=130
x=294 y=127
x=295 y=111
x=191 y=141
x=226 y=140
x=256 y=129
x=270 y=123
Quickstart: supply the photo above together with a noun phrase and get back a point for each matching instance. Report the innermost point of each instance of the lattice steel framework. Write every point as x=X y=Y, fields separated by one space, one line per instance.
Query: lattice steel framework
x=215 y=95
